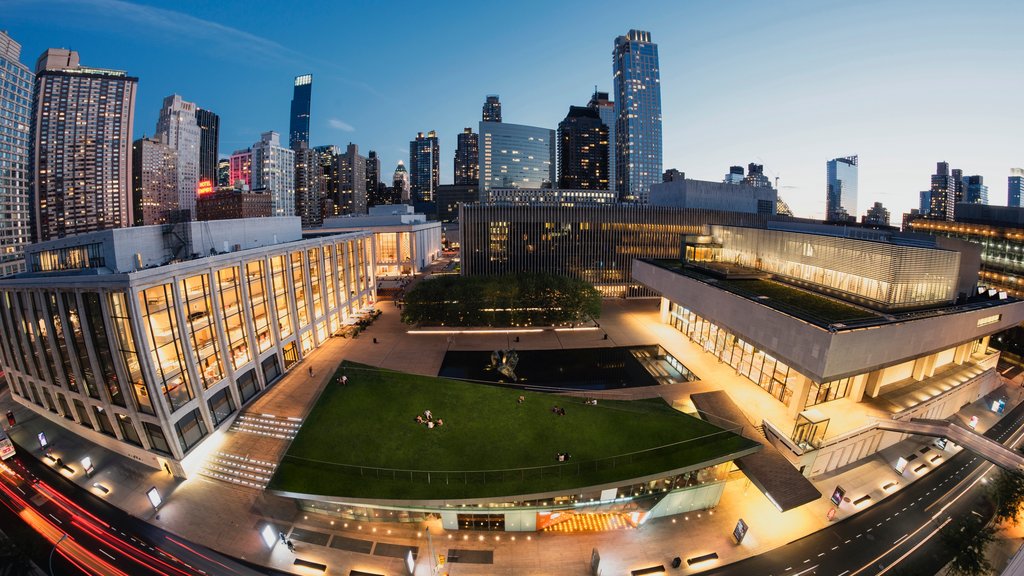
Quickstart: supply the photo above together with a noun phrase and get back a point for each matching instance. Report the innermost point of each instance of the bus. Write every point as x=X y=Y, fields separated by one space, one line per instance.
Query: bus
x=6 y=446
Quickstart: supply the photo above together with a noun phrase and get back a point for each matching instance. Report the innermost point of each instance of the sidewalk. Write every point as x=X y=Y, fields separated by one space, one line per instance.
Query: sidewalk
x=228 y=518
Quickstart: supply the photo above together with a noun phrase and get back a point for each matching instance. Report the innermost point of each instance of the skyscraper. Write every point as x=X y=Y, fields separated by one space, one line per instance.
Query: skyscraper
x=351 y=197
x=372 y=173
x=15 y=96
x=224 y=172
x=328 y=158
x=209 y=139
x=82 y=120
x=943 y=193
x=240 y=168
x=735 y=175
x=755 y=176
x=302 y=96
x=975 y=191
x=401 y=183
x=492 y=109
x=877 y=215
x=308 y=177
x=1015 y=187
x=841 y=189
x=606 y=110
x=273 y=170
x=424 y=166
x=177 y=127
x=516 y=156
x=582 y=150
x=467 y=167
x=154 y=181
x=638 y=155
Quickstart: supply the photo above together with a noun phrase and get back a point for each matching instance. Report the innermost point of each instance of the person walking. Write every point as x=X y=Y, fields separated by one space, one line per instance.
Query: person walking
x=291 y=547
x=310 y=371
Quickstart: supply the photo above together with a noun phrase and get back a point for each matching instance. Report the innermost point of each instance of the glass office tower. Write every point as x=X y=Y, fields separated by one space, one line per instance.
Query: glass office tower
x=301 y=98
x=637 y=116
x=841 y=198
x=516 y=156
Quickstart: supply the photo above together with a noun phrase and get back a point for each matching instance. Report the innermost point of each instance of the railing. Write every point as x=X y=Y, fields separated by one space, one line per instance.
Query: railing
x=559 y=470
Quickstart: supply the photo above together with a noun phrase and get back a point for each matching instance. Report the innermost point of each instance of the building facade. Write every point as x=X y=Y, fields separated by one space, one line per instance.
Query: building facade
x=240 y=168
x=351 y=170
x=273 y=170
x=492 y=109
x=405 y=242
x=229 y=203
x=147 y=358
x=841 y=189
x=975 y=191
x=209 y=142
x=592 y=242
x=372 y=176
x=540 y=196
x=467 y=152
x=944 y=193
x=516 y=156
x=638 y=144
x=1015 y=187
x=424 y=166
x=302 y=96
x=450 y=196
x=877 y=215
x=179 y=128
x=16 y=108
x=308 y=177
x=681 y=192
x=606 y=111
x=154 y=181
x=401 y=184
x=583 y=150
x=82 y=121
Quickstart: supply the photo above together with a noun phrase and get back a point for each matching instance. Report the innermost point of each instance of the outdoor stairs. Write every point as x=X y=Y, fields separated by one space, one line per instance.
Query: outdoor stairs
x=281 y=427
x=239 y=470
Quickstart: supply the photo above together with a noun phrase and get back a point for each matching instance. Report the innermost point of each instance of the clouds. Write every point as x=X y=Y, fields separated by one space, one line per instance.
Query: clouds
x=340 y=125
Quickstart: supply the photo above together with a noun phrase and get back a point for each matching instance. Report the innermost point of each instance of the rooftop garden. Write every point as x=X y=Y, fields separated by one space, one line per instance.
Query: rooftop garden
x=825 y=308
x=363 y=440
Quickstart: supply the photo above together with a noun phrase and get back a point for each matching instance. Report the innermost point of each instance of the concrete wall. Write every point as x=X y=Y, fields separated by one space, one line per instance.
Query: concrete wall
x=702 y=194
x=815 y=352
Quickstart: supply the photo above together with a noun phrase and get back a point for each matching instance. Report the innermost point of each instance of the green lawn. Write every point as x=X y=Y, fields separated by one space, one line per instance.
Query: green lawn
x=368 y=425
x=827 y=309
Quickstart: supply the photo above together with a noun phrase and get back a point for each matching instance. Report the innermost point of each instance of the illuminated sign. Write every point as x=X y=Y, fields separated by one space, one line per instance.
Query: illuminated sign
x=205 y=187
x=740 y=530
x=837 y=495
x=973 y=423
x=42 y=440
x=901 y=465
x=989 y=320
x=6 y=446
x=410 y=561
x=154 y=497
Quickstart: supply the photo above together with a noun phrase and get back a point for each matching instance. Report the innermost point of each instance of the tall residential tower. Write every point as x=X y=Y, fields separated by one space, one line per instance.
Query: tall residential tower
x=841 y=185
x=467 y=166
x=582 y=150
x=209 y=139
x=177 y=127
x=606 y=110
x=15 y=96
x=492 y=109
x=638 y=153
x=301 y=99
x=424 y=166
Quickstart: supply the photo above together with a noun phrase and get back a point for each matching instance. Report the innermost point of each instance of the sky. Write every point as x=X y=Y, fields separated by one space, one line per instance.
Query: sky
x=786 y=84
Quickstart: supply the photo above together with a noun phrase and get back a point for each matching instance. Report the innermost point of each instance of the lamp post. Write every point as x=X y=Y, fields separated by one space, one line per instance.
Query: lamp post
x=55 y=545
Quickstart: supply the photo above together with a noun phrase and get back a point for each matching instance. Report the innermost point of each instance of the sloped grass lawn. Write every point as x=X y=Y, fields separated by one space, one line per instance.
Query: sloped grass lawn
x=361 y=440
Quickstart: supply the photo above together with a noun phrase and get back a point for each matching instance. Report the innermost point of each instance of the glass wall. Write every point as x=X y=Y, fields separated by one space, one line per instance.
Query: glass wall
x=231 y=310
x=128 y=431
x=314 y=282
x=279 y=283
x=119 y=317
x=157 y=305
x=257 y=285
x=78 y=343
x=53 y=312
x=834 y=390
x=190 y=429
x=200 y=326
x=101 y=346
x=157 y=440
x=760 y=367
x=221 y=406
x=299 y=285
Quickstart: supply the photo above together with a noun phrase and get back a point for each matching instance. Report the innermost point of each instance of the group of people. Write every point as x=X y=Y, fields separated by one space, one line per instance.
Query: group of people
x=558 y=410
x=563 y=456
x=591 y=402
x=427 y=418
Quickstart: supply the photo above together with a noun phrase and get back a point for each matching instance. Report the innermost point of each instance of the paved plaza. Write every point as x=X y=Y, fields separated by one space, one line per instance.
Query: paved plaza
x=228 y=516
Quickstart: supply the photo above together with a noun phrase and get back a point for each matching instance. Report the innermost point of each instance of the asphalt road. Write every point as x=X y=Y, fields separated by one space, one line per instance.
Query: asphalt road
x=898 y=536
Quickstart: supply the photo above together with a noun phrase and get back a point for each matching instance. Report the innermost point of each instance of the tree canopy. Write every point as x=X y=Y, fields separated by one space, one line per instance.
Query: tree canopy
x=529 y=299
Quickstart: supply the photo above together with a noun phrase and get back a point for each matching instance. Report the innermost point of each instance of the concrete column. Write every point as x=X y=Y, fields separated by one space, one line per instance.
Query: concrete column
x=665 y=306
x=800 y=385
x=962 y=352
x=873 y=383
x=860 y=383
x=920 y=366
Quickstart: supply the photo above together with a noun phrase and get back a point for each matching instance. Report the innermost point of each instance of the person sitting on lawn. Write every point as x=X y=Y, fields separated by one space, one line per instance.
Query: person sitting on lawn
x=440 y=422
x=428 y=414
x=419 y=419
x=430 y=423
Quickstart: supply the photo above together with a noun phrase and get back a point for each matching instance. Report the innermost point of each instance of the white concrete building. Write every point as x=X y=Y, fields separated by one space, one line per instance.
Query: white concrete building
x=146 y=342
x=177 y=127
x=273 y=170
x=406 y=243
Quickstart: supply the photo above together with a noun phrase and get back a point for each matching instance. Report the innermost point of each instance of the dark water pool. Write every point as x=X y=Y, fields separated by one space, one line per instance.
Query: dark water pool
x=578 y=369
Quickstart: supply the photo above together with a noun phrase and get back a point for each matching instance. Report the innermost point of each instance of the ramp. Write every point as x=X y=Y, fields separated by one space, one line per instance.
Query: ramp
x=767 y=469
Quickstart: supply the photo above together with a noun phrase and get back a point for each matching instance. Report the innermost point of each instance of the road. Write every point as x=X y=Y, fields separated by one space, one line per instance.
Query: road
x=89 y=536
x=898 y=536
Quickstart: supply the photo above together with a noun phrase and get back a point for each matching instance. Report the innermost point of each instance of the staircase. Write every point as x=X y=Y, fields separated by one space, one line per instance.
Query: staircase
x=240 y=470
x=251 y=433
x=267 y=425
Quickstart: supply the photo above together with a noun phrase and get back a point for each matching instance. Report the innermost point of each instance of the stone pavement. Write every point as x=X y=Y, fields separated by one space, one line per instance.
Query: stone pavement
x=228 y=517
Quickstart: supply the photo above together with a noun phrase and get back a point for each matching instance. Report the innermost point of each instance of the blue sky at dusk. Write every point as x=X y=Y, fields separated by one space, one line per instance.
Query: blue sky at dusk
x=786 y=84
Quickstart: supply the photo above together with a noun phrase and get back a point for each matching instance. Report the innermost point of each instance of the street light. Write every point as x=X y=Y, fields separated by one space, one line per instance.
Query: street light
x=55 y=544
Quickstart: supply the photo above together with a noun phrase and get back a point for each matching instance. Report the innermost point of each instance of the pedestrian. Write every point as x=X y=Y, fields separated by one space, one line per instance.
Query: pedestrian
x=281 y=536
x=375 y=340
x=291 y=547
x=344 y=380
x=310 y=371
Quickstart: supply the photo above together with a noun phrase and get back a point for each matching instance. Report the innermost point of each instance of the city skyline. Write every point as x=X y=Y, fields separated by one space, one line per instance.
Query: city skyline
x=861 y=90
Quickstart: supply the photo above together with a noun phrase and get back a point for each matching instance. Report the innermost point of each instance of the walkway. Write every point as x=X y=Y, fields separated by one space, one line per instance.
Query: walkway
x=985 y=447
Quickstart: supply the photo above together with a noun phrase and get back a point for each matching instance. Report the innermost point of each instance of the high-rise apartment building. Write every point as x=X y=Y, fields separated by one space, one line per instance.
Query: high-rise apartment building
x=755 y=176
x=15 y=110
x=177 y=126
x=372 y=177
x=351 y=172
x=154 y=181
x=877 y=215
x=82 y=122
x=1015 y=187
x=240 y=168
x=606 y=110
x=467 y=152
x=582 y=150
x=515 y=156
x=401 y=184
x=302 y=96
x=841 y=189
x=209 y=139
x=735 y=175
x=492 y=109
x=943 y=194
x=273 y=170
x=308 y=177
x=638 y=149
x=424 y=166
x=223 y=172
x=975 y=191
